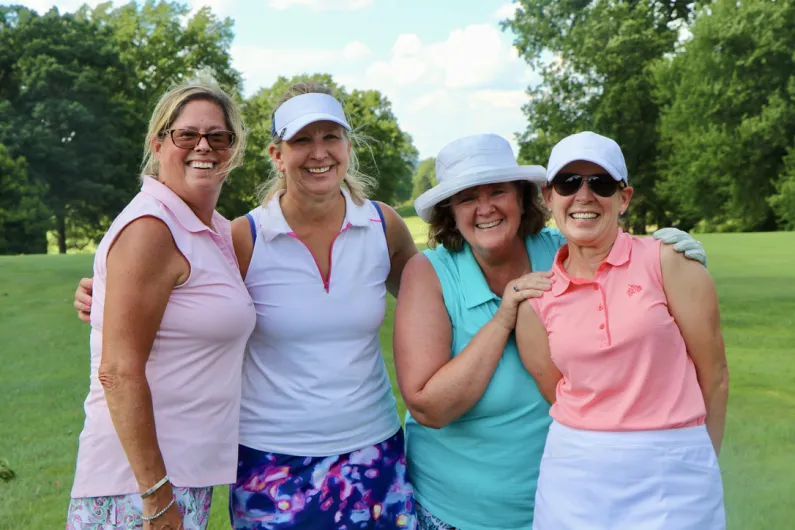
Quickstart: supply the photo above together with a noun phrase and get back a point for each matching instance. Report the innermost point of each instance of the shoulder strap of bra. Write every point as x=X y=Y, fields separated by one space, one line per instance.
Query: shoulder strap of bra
x=380 y=215
x=253 y=226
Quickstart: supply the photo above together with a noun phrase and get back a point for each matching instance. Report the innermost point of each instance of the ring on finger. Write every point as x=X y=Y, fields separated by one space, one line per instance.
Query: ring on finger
x=516 y=288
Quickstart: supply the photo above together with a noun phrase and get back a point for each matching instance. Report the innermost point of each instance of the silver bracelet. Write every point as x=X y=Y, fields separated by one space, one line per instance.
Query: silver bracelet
x=160 y=513
x=151 y=491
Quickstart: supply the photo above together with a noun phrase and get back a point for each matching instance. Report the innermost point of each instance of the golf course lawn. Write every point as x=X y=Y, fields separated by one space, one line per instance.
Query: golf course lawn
x=45 y=364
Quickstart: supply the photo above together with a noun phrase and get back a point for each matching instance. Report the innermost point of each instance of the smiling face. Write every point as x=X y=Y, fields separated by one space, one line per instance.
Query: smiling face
x=585 y=218
x=488 y=216
x=197 y=174
x=316 y=159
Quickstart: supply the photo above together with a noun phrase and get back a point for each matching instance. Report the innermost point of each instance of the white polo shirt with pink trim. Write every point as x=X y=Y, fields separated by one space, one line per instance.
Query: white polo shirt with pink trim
x=194 y=367
x=314 y=380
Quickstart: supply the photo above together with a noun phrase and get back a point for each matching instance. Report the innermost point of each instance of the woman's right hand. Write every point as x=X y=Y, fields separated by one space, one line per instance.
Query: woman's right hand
x=531 y=285
x=83 y=299
x=171 y=520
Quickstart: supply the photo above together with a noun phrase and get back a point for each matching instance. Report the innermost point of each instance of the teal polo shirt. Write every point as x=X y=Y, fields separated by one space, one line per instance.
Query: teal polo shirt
x=480 y=472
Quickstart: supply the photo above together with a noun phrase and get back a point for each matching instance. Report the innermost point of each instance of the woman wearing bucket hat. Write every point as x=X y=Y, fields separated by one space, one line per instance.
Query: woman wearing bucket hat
x=321 y=445
x=477 y=421
x=635 y=332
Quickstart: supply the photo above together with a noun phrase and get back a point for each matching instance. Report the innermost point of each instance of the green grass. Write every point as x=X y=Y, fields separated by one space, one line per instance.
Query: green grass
x=44 y=379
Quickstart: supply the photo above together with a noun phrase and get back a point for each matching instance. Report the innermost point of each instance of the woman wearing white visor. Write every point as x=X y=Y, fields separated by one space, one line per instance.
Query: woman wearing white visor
x=321 y=445
x=634 y=330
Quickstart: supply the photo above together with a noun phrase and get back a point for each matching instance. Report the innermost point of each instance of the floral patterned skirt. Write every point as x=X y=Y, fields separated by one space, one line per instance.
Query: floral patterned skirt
x=123 y=512
x=363 y=490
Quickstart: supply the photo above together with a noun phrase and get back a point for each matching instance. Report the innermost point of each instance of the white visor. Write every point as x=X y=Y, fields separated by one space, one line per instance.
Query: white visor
x=298 y=112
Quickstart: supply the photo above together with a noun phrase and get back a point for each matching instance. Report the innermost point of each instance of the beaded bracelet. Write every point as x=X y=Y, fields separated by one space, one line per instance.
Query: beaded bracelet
x=151 y=491
x=160 y=513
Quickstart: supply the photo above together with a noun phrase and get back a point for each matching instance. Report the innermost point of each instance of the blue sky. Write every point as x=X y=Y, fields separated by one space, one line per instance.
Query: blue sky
x=446 y=65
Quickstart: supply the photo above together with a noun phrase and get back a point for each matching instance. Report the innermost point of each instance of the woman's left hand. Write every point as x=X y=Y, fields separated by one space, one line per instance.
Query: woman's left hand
x=533 y=284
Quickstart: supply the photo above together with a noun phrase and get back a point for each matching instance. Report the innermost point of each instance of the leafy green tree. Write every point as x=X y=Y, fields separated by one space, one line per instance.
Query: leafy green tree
x=424 y=178
x=783 y=202
x=23 y=217
x=388 y=154
x=594 y=57
x=67 y=113
x=164 y=46
x=728 y=119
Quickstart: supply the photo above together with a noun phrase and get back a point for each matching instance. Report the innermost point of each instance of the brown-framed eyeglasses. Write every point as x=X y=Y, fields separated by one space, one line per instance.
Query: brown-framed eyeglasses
x=189 y=138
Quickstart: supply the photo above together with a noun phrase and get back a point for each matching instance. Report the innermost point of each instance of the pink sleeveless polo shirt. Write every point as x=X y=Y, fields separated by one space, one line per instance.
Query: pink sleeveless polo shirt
x=194 y=370
x=624 y=362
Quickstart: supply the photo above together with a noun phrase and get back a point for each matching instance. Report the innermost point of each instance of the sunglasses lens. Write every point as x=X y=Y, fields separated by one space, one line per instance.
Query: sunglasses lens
x=567 y=183
x=603 y=185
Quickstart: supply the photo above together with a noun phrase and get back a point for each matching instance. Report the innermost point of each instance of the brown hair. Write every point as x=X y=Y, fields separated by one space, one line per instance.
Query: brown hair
x=357 y=183
x=442 y=229
x=168 y=109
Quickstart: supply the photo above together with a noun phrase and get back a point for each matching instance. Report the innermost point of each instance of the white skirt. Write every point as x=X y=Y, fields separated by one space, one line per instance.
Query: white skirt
x=641 y=480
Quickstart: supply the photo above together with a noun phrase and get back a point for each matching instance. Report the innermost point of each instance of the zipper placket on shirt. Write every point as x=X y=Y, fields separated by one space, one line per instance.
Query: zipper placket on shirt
x=326 y=281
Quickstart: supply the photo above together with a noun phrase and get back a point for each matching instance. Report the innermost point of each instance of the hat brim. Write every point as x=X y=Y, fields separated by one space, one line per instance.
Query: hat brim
x=292 y=128
x=584 y=156
x=424 y=203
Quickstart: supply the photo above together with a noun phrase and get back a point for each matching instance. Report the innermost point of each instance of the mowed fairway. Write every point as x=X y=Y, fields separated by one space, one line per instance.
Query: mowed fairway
x=44 y=379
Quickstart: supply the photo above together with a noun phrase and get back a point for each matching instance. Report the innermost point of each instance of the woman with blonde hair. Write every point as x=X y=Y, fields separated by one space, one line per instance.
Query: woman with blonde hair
x=321 y=444
x=169 y=322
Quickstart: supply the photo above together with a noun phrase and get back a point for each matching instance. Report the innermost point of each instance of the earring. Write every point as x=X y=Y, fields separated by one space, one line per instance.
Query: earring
x=281 y=174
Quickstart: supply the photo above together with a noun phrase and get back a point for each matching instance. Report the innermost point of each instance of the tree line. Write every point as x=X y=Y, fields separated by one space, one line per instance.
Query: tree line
x=700 y=95
x=76 y=93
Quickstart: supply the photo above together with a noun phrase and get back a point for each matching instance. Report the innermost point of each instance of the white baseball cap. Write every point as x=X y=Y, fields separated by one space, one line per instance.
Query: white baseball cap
x=299 y=111
x=590 y=147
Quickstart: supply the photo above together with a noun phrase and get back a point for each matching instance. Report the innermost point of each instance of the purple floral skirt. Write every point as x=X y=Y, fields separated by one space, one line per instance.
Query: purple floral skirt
x=363 y=490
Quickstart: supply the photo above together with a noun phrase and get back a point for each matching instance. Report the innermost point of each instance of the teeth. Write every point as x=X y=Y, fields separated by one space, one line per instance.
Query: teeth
x=202 y=165
x=318 y=169
x=585 y=215
x=489 y=225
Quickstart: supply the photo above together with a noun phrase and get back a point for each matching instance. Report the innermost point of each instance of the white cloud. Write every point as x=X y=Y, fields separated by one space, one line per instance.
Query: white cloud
x=356 y=51
x=475 y=56
x=321 y=5
x=221 y=8
x=506 y=11
x=262 y=66
x=497 y=99
x=440 y=116
x=433 y=100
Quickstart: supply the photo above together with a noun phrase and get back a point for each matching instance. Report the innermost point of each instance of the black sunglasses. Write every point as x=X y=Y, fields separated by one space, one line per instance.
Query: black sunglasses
x=189 y=139
x=602 y=184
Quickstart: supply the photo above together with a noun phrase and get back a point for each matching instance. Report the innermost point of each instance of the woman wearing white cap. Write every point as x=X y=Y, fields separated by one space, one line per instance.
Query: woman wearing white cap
x=477 y=422
x=634 y=330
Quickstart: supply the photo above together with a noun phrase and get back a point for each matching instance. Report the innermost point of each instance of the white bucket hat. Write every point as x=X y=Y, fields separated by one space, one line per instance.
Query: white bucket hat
x=473 y=161
x=299 y=111
x=590 y=147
